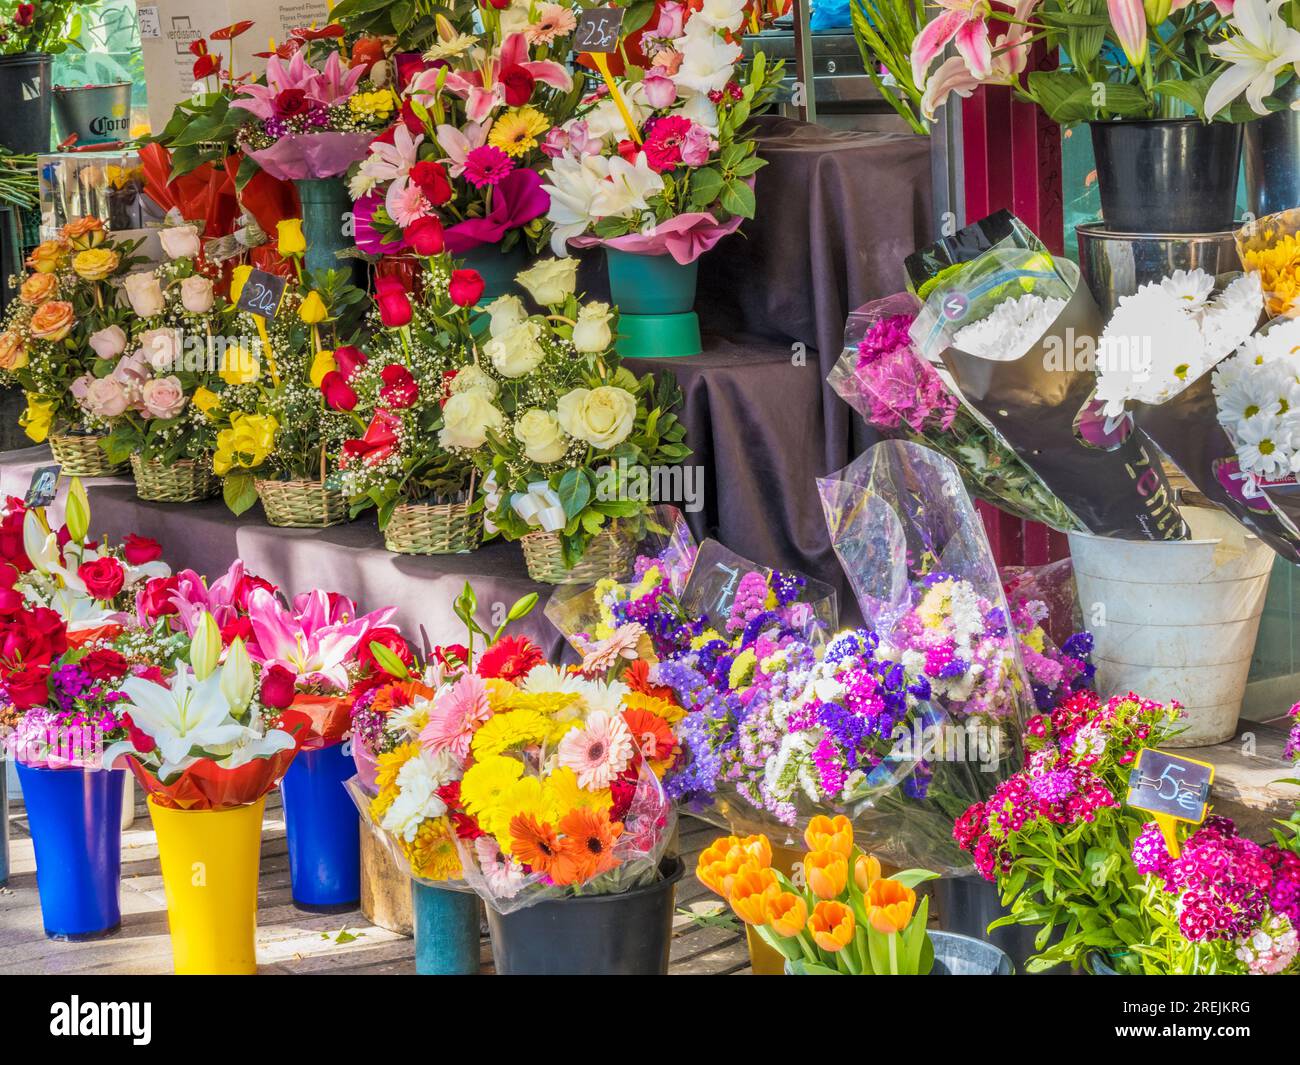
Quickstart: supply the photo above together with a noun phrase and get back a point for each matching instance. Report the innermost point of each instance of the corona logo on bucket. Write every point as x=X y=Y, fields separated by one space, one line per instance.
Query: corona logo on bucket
x=104 y=124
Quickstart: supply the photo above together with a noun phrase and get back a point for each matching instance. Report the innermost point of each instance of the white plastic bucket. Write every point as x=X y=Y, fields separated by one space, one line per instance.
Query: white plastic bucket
x=128 y=801
x=1177 y=619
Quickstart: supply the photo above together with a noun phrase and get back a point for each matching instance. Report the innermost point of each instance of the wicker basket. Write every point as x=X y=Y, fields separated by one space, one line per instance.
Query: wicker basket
x=302 y=504
x=177 y=482
x=608 y=555
x=433 y=529
x=81 y=456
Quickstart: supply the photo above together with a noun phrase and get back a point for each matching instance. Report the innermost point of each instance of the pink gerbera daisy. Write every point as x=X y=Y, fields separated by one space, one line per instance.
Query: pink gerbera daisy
x=553 y=20
x=456 y=715
x=487 y=165
x=406 y=203
x=599 y=751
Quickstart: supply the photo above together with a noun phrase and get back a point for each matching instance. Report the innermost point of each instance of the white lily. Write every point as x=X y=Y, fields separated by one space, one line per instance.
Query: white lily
x=574 y=185
x=628 y=188
x=1261 y=46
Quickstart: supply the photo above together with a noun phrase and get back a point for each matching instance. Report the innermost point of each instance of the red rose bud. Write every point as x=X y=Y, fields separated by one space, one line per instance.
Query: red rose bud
x=239 y=629
x=394 y=307
x=291 y=102
x=400 y=389
x=141 y=549
x=424 y=236
x=29 y=686
x=518 y=85
x=349 y=359
x=432 y=180
x=388 y=637
x=337 y=392
x=466 y=287
x=154 y=600
x=500 y=5
x=414 y=123
x=25 y=13
x=103 y=577
x=278 y=687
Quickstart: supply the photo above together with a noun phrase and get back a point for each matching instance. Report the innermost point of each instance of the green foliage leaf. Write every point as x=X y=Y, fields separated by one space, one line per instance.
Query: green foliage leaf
x=239 y=491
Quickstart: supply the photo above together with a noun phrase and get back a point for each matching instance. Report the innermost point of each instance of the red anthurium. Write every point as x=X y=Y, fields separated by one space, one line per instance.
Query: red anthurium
x=199 y=47
x=206 y=65
x=322 y=34
x=518 y=85
x=379 y=441
x=465 y=287
x=424 y=236
x=394 y=306
x=432 y=180
x=337 y=392
x=235 y=29
x=400 y=389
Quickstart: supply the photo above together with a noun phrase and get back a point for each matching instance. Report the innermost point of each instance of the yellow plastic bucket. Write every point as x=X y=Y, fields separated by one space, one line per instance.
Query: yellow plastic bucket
x=209 y=867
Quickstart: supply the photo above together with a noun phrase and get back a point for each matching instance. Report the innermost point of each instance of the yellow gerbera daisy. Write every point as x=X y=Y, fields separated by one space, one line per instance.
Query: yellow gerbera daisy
x=565 y=794
x=548 y=703
x=669 y=711
x=485 y=782
x=508 y=731
x=432 y=853
x=516 y=132
x=525 y=796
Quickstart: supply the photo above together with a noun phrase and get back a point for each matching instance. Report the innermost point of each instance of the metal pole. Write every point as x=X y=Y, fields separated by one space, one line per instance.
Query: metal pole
x=803 y=59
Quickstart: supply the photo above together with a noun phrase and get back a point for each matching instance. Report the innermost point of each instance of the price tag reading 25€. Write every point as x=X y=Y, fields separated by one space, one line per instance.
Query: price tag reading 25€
x=598 y=30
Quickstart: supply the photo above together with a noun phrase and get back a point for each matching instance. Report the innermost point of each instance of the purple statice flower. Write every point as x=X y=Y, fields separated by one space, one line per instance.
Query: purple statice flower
x=829 y=767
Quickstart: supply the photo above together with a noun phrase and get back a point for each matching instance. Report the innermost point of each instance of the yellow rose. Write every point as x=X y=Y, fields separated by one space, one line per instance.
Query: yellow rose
x=206 y=400
x=52 y=321
x=13 y=352
x=38 y=417
x=238 y=278
x=246 y=444
x=323 y=363
x=47 y=255
x=312 y=310
x=291 y=240
x=38 y=288
x=602 y=417
x=239 y=366
x=95 y=264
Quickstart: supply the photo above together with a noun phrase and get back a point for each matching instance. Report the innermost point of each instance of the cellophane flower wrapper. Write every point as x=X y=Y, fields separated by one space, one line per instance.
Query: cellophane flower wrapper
x=1010 y=329
x=1051 y=584
x=882 y=376
x=648 y=827
x=929 y=266
x=359 y=791
x=668 y=545
x=322 y=720
x=685 y=237
x=206 y=786
x=312 y=155
x=916 y=555
x=1270 y=248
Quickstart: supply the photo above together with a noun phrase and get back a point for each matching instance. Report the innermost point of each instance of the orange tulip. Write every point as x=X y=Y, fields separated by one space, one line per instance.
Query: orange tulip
x=866 y=871
x=758 y=849
x=751 y=891
x=718 y=876
x=831 y=925
x=711 y=856
x=890 y=906
x=830 y=834
x=787 y=914
x=827 y=873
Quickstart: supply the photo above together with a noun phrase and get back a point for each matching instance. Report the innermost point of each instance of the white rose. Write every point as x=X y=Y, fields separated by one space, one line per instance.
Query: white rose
x=602 y=417
x=506 y=312
x=474 y=377
x=144 y=294
x=516 y=352
x=551 y=281
x=108 y=343
x=540 y=433
x=161 y=348
x=591 y=332
x=466 y=419
x=196 y=294
x=180 y=242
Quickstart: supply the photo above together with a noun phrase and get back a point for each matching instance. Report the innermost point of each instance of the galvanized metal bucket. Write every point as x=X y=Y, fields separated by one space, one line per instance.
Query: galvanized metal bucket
x=96 y=114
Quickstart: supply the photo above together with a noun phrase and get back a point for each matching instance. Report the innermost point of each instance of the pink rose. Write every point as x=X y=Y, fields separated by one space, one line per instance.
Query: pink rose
x=108 y=343
x=161 y=347
x=672 y=20
x=80 y=387
x=660 y=91
x=697 y=146
x=163 y=397
x=131 y=372
x=106 y=398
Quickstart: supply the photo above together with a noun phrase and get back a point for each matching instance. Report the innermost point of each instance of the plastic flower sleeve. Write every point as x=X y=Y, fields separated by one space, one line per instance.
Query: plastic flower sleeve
x=1270 y=248
x=901 y=395
x=1012 y=328
x=929 y=266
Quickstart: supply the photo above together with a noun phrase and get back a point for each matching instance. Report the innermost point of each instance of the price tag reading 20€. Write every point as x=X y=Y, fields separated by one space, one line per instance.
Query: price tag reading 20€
x=262 y=294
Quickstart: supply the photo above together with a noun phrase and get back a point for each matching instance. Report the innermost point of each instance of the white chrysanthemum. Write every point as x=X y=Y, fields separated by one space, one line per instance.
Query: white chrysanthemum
x=417 y=800
x=1264 y=446
x=1246 y=395
x=1191 y=288
x=1012 y=329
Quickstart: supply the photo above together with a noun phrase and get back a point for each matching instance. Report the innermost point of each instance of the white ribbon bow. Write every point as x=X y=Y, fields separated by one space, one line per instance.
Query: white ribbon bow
x=540 y=505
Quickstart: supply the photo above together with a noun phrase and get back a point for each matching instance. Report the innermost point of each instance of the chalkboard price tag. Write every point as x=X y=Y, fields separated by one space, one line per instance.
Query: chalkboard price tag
x=262 y=294
x=43 y=487
x=1170 y=786
x=599 y=29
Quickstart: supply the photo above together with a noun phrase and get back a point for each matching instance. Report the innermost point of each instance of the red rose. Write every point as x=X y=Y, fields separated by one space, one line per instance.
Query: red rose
x=31 y=638
x=465 y=287
x=432 y=180
x=11 y=536
x=349 y=359
x=103 y=577
x=141 y=549
x=25 y=13
x=104 y=664
x=500 y=5
x=10 y=601
x=408 y=65
x=154 y=600
x=377 y=444
x=388 y=637
x=29 y=686
x=278 y=687
x=249 y=583
x=289 y=103
x=394 y=307
x=424 y=236
x=337 y=392
x=400 y=389
x=239 y=629
x=623 y=792
x=414 y=123
x=518 y=84
x=510 y=658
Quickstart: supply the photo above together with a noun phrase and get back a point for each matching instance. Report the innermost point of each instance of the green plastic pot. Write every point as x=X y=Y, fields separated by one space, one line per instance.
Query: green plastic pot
x=650 y=284
x=497 y=268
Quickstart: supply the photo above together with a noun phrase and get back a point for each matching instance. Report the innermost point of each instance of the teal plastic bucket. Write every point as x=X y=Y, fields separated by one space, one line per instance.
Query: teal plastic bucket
x=497 y=268
x=650 y=284
x=446 y=931
x=326 y=209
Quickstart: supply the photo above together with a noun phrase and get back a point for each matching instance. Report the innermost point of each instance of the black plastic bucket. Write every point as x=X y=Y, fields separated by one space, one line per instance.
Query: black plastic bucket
x=628 y=934
x=25 y=90
x=969 y=904
x=1167 y=175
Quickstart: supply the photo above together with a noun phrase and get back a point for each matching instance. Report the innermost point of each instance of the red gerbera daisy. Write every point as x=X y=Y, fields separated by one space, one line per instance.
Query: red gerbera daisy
x=510 y=658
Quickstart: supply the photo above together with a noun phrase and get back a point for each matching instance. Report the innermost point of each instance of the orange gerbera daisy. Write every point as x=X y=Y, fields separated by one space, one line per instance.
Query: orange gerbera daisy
x=589 y=838
x=651 y=733
x=536 y=845
x=399 y=694
x=637 y=677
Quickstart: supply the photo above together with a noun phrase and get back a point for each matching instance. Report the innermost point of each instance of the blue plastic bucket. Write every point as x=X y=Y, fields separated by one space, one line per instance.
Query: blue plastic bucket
x=75 y=817
x=446 y=931
x=323 y=830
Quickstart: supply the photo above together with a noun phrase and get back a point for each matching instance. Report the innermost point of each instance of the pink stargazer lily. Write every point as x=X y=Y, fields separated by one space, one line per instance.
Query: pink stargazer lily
x=193 y=597
x=482 y=89
x=1128 y=18
x=962 y=21
x=1010 y=52
x=325 y=87
x=314 y=642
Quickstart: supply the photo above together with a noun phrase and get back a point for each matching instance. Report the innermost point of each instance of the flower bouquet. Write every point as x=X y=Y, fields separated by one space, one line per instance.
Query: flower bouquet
x=564 y=435
x=837 y=915
x=882 y=376
x=66 y=308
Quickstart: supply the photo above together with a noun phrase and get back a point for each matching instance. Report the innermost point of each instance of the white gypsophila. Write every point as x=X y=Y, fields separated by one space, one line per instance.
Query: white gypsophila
x=1011 y=329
